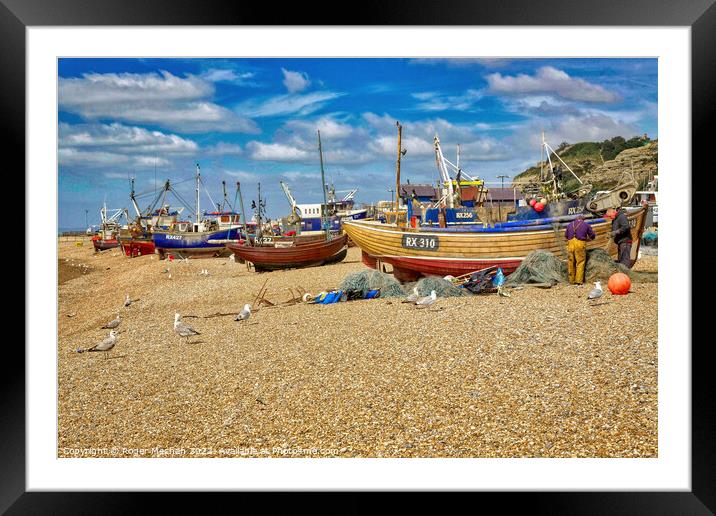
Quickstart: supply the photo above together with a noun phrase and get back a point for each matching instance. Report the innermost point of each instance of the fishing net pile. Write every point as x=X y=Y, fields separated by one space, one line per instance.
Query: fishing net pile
x=369 y=280
x=442 y=287
x=544 y=267
x=600 y=266
x=539 y=267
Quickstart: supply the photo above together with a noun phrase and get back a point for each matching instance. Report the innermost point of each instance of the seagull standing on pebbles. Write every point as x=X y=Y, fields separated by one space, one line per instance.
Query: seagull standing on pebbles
x=597 y=292
x=182 y=329
x=244 y=314
x=105 y=345
x=413 y=297
x=127 y=301
x=113 y=323
x=427 y=301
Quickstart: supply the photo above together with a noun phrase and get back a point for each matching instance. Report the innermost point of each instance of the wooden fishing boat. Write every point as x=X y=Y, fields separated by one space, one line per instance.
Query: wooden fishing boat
x=102 y=244
x=291 y=255
x=415 y=252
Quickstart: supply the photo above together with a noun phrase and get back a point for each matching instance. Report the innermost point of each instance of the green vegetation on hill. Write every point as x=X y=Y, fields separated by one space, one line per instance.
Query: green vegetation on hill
x=588 y=158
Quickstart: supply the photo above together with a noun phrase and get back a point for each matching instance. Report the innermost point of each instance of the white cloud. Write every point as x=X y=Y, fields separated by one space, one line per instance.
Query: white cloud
x=275 y=152
x=295 y=81
x=572 y=129
x=228 y=75
x=242 y=175
x=551 y=81
x=459 y=62
x=163 y=99
x=287 y=104
x=433 y=101
x=224 y=149
x=97 y=88
x=97 y=145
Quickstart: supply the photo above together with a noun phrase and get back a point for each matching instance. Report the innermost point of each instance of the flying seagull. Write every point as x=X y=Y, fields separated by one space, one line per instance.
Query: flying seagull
x=105 y=345
x=597 y=292
x=244 y=314
x=113 y=323
x=182 y=329
x=427 y=301
x=413 y=297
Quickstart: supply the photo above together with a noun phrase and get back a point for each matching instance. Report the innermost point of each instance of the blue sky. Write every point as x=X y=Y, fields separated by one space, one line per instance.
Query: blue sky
x=252 y=120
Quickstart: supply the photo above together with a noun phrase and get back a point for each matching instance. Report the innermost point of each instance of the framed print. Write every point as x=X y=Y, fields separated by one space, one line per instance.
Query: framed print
x=416 y=253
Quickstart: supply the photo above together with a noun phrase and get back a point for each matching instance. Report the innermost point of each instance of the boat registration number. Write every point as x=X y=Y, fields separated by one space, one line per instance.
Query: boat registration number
x=173 y=237
x=428 y=243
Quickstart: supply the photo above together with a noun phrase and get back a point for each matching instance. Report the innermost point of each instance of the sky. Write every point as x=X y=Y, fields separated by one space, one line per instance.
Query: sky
x=255 y=120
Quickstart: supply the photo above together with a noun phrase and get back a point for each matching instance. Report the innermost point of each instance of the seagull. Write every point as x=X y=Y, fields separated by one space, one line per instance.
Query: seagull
x=244 y=314
x=182 y=329
x=413 y=297
x=105 y=345
x=427 y=301
x=127 y=301
x=113 y=323
x=204 y=272
x=232 y=257
x=597 y=292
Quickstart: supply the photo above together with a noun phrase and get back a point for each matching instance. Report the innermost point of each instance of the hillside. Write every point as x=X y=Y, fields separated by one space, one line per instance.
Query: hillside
x=602 y=163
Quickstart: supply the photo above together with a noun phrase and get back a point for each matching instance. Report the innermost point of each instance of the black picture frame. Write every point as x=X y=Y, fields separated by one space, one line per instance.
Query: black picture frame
x=700 y=15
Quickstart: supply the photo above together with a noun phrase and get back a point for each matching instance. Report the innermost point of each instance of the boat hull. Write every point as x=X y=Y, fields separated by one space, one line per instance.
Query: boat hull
x=206 y=244
x=297 y=256
x=104 y=244
x=133 y=247
x=422 y=252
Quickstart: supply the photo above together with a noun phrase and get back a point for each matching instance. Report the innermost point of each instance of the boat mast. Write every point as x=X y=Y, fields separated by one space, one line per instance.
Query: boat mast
x=397 y=173
x=258 y=214
x=198 y=178
x=134 y=201
x=324 y=223
x=243 y=213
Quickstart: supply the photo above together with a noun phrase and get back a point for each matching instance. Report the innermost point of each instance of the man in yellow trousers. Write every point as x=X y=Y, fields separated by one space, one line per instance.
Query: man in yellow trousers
x=577 y=233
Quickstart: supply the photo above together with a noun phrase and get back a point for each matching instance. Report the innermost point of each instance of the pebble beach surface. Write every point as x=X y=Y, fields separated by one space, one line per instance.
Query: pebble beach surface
x=543 y=373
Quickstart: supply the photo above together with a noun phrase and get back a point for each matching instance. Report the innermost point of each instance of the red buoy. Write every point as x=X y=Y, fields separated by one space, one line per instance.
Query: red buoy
x=533 y=202
x=619 y=284
x=539 y=206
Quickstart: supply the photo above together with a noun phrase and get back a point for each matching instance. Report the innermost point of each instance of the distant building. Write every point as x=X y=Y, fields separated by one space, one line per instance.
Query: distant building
x=504 y=196
x=424 y=193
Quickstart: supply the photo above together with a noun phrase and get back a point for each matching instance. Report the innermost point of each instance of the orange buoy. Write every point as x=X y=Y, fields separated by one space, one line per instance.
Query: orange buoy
x=619 y=284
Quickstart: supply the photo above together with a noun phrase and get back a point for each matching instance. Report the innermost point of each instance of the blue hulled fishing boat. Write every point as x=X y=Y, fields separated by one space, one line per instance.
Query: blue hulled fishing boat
x=207 y=236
